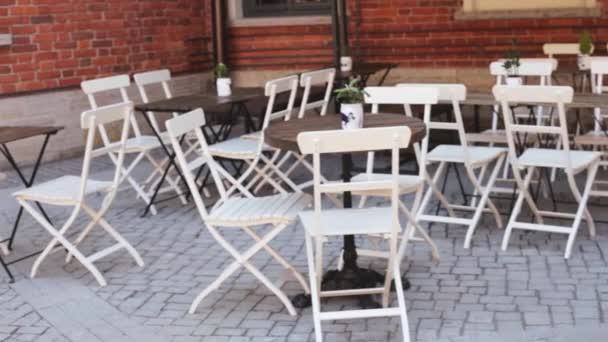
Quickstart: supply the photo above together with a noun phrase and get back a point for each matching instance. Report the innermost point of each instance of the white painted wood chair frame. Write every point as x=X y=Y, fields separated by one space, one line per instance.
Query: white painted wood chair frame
x=348 y=141
x=247 y=213
x=472 y=158
x=266 y=174
x=597 y=139
x=44 y=192
x=534 y=158
x=557 y=49
x=135 y=145
x=323 y=77
x=162 y=78
x=406 y=96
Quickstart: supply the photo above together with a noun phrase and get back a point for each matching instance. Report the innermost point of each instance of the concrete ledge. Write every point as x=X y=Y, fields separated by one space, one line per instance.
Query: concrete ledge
x=535 y=14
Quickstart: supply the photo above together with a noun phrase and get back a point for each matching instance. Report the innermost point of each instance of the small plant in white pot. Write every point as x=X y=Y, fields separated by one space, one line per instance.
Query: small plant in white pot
x=351 y=98
x=511 y=65
x=223 y=82
x=585 y=47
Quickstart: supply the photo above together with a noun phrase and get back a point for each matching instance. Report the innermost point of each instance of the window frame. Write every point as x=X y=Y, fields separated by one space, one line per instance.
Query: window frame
x=290 y=9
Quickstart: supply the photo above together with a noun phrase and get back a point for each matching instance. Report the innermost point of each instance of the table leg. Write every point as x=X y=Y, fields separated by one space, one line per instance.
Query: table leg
x=477 y=118
x=351 y=276
x=7 y=270
x=171 y=163
x=26 y=182
x=386 y=72
x=249 y=125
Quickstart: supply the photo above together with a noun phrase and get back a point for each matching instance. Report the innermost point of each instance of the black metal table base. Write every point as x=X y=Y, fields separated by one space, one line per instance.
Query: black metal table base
x=349 y=279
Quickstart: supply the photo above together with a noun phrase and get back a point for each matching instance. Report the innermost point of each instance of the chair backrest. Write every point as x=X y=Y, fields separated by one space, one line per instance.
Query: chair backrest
x=599 y=69
x=92 y=120
x=118 y=83
x=452 y=94
x=285 y=85
x=151 y=78
x=542 y=68
x=192 y=122
x=529 y=67
x=407 y=96
x=553 y=49
x=324 y=77
x=349 y=141
x=557 y=96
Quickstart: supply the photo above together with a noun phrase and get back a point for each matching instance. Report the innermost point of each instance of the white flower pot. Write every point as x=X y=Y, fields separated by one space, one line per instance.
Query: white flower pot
x=584 y=62
x=223 y=86
x=352 y=115
x=514 y=81
x=346 y=64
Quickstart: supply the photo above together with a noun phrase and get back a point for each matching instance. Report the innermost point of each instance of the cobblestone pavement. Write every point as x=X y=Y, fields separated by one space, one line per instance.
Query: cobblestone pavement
x=529 y=293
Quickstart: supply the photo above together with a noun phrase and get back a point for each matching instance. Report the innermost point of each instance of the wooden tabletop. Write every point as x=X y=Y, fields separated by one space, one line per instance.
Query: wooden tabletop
x=13 y=133
x=284 y=134
x=580 y=101
x=210 y=102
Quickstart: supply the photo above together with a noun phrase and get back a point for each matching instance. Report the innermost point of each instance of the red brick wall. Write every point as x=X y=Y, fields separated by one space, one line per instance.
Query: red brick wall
x=413 y=33
x=59 y=43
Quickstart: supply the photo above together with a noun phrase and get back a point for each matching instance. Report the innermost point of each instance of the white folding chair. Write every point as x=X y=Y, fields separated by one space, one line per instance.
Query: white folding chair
x=476 y=160
x=252 y=150
x=140 y=145
x=408 y=184
x=159 y=78
x=542 y=69
x=565 y=49
x=318 y=78
x=72 y=191
x=572 y=162
x=597 y=139
x=562 y=49
x=322 y=224
x=232 y=212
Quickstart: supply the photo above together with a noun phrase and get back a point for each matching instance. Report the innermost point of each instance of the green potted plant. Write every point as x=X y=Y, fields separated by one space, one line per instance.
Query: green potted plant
x=222 y=80
x=351 y=98
x=511 y=65
x=585 y=46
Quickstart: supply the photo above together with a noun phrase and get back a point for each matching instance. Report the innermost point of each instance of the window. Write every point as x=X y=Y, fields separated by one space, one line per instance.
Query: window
x=278 y=8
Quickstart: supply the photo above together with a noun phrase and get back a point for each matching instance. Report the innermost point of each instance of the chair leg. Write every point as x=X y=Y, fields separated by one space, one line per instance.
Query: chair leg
x=58 y=238
x=405 y=238
x=172 y=182
x=523 y=193
x=110 y=230
x=281 y=260
x=138 y=189
x=483 y=201
x=281 y=175
x=476 y=192
x=243 y=260
x=582 y=207
x=314 y=288
x=405 y=328
x=432 y=182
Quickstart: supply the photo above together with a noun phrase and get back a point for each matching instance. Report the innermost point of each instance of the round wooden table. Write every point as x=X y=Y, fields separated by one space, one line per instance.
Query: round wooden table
x=284 y=135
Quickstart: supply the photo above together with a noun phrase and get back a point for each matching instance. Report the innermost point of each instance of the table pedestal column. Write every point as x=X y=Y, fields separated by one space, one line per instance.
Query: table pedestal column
x=351 y=276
